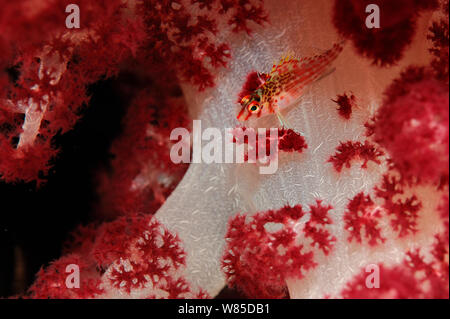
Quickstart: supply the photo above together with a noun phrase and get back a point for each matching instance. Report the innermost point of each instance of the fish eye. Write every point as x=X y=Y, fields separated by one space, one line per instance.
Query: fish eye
x=253 y=107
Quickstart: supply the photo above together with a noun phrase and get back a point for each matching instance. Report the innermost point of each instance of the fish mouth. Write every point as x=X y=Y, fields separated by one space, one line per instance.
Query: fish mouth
x=243 y=115
x=241 y=118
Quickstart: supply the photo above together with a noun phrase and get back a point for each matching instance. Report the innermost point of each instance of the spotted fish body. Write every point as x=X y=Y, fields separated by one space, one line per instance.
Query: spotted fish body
x=285 y=83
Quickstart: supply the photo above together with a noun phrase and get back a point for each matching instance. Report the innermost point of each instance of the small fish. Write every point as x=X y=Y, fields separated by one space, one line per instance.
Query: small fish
x=269 y=93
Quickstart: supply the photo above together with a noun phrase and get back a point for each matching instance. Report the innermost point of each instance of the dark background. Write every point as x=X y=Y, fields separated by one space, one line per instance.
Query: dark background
x=34 y=223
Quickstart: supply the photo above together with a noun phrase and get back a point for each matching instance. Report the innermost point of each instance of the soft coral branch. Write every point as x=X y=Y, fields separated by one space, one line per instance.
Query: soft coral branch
x=348 y=151
x=136 y=251
x=362 y=220
x=346 y=102
x=52 y=72
x=264 y=250
x=403 y=211
x=412 y=279
x=384 y=45
x=412 y=125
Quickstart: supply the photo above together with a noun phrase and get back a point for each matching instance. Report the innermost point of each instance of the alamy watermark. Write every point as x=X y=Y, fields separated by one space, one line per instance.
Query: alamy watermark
x=230 y=145
x=373 y=19
x=373 y=279
x=73 y=19
x=73 y=279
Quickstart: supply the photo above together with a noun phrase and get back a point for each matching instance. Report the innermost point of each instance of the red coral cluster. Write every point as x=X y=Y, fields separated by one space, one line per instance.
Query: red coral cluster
x=291 y=141
x=43 y=91
x=362 y=220
x=45 y=69
x=404 y=212
x=51 y=281
x=315 y=228
x=137 y=249
x=268 y=247
x=439 y=35
x=348 y=151
x=412 y=125
x=50 y=71
x=44 y=73
x=412 y=279
x=159 y=252
x=184 y=33
x=440 y=249
x=346 y=103
x=384 y=45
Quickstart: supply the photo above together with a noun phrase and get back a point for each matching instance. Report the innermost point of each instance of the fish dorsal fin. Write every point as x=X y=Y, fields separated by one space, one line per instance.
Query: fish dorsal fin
x=315 y=53
x=284 y=64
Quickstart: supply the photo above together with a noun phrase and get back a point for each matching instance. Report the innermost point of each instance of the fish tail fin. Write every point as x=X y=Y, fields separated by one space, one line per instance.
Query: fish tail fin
x=325 y=74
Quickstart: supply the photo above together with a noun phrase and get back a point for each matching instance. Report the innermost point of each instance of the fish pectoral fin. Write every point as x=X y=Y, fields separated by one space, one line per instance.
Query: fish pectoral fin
x=325 y=74
x=284 y=123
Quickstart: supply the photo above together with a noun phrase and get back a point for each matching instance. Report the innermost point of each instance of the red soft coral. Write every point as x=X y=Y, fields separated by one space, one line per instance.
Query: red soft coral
x=264 y=250
x=403 y=211
x=384 y=45
x=112 y=239
x=155 y=252
x=291 y=141
x=439 y=35
x=51 y=75
x=127 y=254
x=362 y=220
x=185 y=41
x=44 y=78
x=348 y=151
x=315 y=228
x=345 y=104
x=413 y=279
x=51 y=282
x=412 y=125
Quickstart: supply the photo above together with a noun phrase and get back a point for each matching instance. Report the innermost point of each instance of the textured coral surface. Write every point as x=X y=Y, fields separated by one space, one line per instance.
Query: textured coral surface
x=362 y=171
